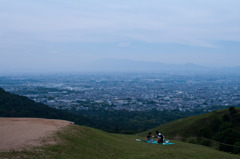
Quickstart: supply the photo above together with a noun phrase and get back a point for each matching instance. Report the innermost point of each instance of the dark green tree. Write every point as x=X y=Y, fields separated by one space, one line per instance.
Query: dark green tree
x=232 y=110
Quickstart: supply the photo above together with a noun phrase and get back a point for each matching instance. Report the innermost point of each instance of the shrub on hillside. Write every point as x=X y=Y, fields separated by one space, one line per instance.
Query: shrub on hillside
x=236 y=119
x=204 y=132
x=232 y=110
x=205 y=142
x=192 y=140
x=226 y=118
x=215 y=124
x=237 y=148
x=225 y=126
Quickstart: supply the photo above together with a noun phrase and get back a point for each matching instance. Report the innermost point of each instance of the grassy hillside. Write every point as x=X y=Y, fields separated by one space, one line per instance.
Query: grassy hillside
x=88 y=143
x=193 y=125
x=12 y=105
x=188 y=126
x=222 y=126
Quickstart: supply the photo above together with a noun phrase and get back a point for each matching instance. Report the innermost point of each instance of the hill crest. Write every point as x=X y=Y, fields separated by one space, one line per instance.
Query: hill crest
x=21 y=133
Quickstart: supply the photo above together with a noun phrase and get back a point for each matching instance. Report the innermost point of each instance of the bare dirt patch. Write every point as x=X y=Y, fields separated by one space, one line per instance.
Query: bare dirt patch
x=22 y=133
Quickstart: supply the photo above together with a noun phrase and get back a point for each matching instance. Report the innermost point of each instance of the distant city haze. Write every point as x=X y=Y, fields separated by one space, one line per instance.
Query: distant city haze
x=77 y=36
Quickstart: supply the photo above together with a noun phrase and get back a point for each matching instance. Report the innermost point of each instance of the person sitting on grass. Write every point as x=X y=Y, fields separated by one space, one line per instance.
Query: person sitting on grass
x=160 y=137
x=149 y=137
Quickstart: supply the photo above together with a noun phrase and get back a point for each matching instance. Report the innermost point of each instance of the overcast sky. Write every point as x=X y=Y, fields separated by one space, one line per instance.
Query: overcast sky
x=46 y=35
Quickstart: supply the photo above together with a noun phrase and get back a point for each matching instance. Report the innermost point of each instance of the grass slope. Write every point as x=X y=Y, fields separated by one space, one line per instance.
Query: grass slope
x=190 y=126
x=78 y=142
x=219 y=129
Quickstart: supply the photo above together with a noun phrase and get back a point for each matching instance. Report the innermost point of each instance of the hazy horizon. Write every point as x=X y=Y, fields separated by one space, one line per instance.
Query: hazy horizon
x=61 y=36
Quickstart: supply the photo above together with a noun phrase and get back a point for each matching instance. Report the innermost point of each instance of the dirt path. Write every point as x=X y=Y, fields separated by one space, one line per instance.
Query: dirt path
x=21 y=133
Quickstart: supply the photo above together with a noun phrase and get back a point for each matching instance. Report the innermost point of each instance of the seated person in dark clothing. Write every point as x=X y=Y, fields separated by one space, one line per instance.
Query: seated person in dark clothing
x=160 y=137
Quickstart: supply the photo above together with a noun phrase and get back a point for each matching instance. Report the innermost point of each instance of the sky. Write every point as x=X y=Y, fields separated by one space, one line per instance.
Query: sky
x=67 y=34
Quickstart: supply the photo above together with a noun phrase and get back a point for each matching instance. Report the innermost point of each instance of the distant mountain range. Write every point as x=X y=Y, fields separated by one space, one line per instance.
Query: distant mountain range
x=118 y=65
x=125 y=65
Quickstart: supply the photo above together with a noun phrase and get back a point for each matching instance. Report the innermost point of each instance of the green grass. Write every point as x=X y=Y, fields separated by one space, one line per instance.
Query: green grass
x=187 y=127
x=78 y=142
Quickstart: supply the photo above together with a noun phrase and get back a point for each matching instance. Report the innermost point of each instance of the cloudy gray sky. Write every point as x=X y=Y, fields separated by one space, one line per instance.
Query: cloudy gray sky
x=65 y=34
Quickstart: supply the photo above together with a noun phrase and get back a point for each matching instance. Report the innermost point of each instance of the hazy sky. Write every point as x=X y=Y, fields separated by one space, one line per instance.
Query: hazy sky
x=64 y=34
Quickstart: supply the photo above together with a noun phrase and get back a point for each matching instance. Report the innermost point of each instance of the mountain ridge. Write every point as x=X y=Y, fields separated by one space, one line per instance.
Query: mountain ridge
x=127 y=65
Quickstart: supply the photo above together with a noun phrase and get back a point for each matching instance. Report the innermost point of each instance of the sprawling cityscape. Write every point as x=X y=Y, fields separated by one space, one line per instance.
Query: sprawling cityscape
x=128 y=91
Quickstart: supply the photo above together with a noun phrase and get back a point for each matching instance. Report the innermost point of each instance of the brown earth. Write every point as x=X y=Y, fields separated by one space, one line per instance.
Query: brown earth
x=22 y=133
